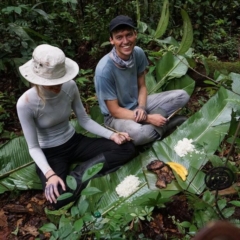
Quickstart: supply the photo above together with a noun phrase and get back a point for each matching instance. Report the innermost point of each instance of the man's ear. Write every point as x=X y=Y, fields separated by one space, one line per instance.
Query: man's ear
x=135 y=32
x=111 y=40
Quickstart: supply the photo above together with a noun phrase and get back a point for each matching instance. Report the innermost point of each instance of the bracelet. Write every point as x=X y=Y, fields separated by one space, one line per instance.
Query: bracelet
x=54 y=174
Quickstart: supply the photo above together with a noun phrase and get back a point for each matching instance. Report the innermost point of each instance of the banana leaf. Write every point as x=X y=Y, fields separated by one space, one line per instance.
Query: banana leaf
x=150 y=81
x=17 y=169
x=207 y=128
x=169 y=67
x=109 y=200
x=236 y=82
x=186 y=83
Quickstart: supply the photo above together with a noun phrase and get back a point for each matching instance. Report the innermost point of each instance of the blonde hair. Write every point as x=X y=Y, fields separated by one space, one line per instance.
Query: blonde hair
x=40 y=93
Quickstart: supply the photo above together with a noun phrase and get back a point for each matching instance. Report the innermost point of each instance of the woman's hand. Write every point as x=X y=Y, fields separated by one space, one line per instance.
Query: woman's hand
x=120 y=138
x=51 y=189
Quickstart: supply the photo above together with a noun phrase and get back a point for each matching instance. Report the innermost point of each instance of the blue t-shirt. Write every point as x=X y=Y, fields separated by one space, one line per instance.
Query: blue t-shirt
x=112 y=82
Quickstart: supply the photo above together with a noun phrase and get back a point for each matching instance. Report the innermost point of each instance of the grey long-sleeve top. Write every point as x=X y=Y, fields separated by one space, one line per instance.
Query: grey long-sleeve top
x=46 y=125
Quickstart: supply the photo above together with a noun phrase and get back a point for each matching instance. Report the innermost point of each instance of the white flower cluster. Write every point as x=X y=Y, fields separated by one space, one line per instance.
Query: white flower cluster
x=183 y=147
x=128 y=186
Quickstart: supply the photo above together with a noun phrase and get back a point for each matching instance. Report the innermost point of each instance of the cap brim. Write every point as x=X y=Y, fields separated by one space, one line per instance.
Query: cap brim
x=71 y=67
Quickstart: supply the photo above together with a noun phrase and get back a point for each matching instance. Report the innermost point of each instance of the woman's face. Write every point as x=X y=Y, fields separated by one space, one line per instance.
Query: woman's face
x=55 y=89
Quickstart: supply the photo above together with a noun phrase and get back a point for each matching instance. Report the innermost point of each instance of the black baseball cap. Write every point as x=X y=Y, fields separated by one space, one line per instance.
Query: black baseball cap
x=121 y=20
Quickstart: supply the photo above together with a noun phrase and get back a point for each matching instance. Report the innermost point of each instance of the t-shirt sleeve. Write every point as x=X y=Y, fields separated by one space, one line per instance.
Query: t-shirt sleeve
x=106 y=87
x=142 y=61
x=26 y=119
x=84 y=120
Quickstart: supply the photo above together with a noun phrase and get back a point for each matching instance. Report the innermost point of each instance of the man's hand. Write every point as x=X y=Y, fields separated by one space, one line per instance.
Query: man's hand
x=140 y=114
x=51 y=189
x=156 y=120
x=120 y=138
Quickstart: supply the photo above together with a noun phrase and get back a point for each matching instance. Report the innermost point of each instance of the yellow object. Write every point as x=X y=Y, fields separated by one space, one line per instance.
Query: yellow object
x=179 y=169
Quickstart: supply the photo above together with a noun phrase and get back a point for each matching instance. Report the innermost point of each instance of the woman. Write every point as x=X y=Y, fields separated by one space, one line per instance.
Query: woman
x=53 y=144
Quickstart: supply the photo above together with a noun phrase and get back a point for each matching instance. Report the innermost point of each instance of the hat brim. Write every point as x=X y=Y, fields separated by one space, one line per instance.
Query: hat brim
x=71 y=67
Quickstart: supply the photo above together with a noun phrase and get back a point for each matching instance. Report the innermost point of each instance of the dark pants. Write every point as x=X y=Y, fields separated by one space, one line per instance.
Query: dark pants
x=80 y=149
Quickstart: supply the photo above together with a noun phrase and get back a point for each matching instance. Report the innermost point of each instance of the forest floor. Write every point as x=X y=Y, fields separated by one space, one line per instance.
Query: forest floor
x=22 y=212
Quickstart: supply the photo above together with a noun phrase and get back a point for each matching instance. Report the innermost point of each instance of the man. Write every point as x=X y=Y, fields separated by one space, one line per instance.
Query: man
x=122 y=93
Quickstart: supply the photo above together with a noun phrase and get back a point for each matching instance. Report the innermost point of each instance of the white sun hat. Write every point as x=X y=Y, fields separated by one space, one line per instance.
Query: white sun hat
x=49 y=67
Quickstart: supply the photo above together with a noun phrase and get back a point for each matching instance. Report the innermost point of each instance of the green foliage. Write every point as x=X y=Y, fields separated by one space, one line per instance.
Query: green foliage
x=7 y=103
x=66 y=23
x=163 y=22
x=173 y=64
x=187 y=38
x=143 y=214
x=204 y=210
x=84 y=220
x=86 y=87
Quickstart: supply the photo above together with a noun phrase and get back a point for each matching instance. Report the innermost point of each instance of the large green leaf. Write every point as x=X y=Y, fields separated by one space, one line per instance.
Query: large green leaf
x=187 y=38
x=236 y=82
x=150 y=81
x=169 y=67
x=206 y=127
x=185 y=82
x=163 y=21
x=16 y=166
x=96 y=114
x=107 y=184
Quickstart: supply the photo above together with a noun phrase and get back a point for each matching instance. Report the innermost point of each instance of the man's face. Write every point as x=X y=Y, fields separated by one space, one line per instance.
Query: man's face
x=124 y=42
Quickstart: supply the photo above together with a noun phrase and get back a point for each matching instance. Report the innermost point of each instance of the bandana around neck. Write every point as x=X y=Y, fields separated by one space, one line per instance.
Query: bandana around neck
x=124 y=64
